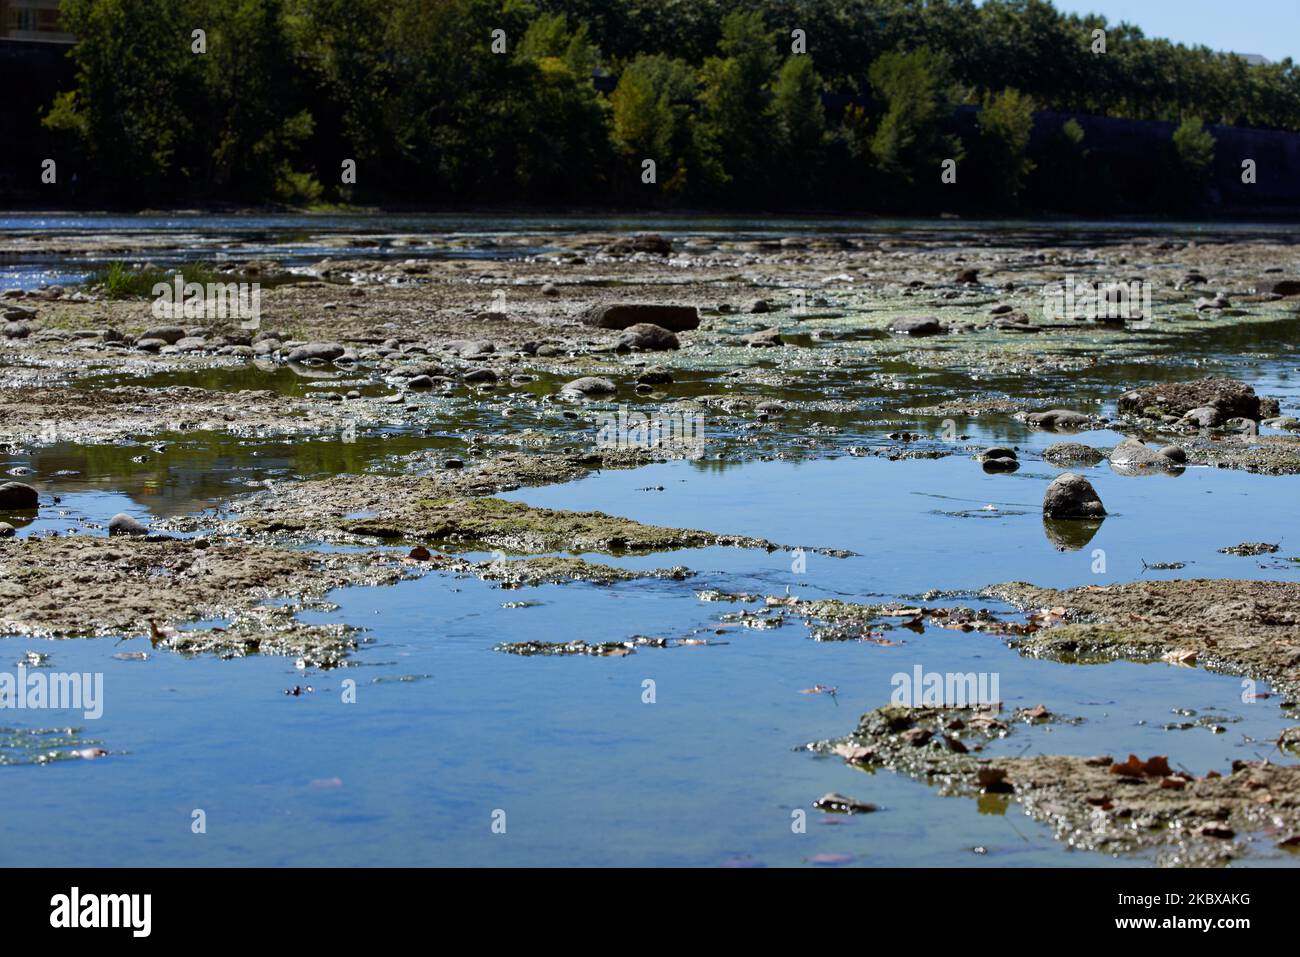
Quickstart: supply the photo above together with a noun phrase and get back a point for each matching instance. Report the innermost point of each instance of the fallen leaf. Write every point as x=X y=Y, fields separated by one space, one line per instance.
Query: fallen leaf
x=853 y=753
x=1156 y=767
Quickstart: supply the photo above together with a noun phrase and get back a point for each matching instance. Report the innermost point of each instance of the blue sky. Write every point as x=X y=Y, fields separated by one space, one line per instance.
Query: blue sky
x=1270 y=27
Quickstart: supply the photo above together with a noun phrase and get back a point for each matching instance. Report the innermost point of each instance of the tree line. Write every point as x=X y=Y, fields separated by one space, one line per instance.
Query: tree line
x=816 y=103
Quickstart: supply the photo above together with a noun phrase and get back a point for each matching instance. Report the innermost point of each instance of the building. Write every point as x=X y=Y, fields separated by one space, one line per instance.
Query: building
x=32 y=20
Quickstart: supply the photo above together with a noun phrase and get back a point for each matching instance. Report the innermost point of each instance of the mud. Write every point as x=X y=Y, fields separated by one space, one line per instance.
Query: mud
x=357 y=509
x=1247 y=628
x=1109 y=804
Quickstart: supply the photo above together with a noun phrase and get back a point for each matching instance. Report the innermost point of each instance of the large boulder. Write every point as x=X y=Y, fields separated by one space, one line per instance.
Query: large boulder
x=651 y=243
x=1054 y=419
x=1133 y=456
x=124 y=524
x=590 y=385
x=918 y=326
x=322 y=351
x=647 y=337
x=1067 y=454
x=16 y=495
x=168 y=334
x=1072 y=496
x=1279 y=287
x=1230 y=398
x=623 y=315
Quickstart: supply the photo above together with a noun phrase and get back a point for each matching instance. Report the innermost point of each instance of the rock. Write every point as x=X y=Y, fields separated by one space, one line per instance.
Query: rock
x=480 y=375
x=647 y=337
x=191 y=344
x=1279 y=287
x=1206 y=417
x=15 y=313
x=150 y=345
x=123 y=524
x=1055 y=419
x=627 y=314
x=550 y=290
x=841 y=804
x=655 y=375
x=1230 y=397
x=420 y=382
x=1174 y=453
x=7 y=530
x=168 y=334
x=322 y=351
x=1288 y=423
x=546 y=350
x=920 y=326
x=1133 y=456
x=17 y=330
x=1269 y=408
x=1218 y=302
x=763 y=339
x=1001 y=309
x=758 y=305
x=590 y=385
x=651 y=243
x=265 y=347
x=16 y=495
x=998 y=452
x=1000 y=464
x=968 y=277
x=1066 y=454
x=1072 y=496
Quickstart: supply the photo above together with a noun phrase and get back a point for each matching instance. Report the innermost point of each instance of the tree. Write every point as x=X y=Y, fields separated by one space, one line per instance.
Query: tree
x=1005 y=123
x=800 y=121
x=1194 y=149
x=652 y=117
x=910 y=140
x=132 y=112
x=734 y=98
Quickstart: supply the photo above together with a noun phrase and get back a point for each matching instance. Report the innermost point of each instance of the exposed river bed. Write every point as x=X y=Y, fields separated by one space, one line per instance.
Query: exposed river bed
x=374 y=621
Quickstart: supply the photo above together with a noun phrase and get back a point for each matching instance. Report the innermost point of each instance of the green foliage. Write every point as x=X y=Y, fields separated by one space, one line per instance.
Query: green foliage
x=709 y=89
x=910 y=141
x=799 y=122
x=652 y=118
x=735 y=93
x=1194 y=148
x=120 y=280
x=1005 y=123
x=131 y=112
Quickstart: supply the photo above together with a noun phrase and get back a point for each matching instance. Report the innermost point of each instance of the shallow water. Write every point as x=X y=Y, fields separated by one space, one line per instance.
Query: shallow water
x=445 y=730
x=170 y=240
